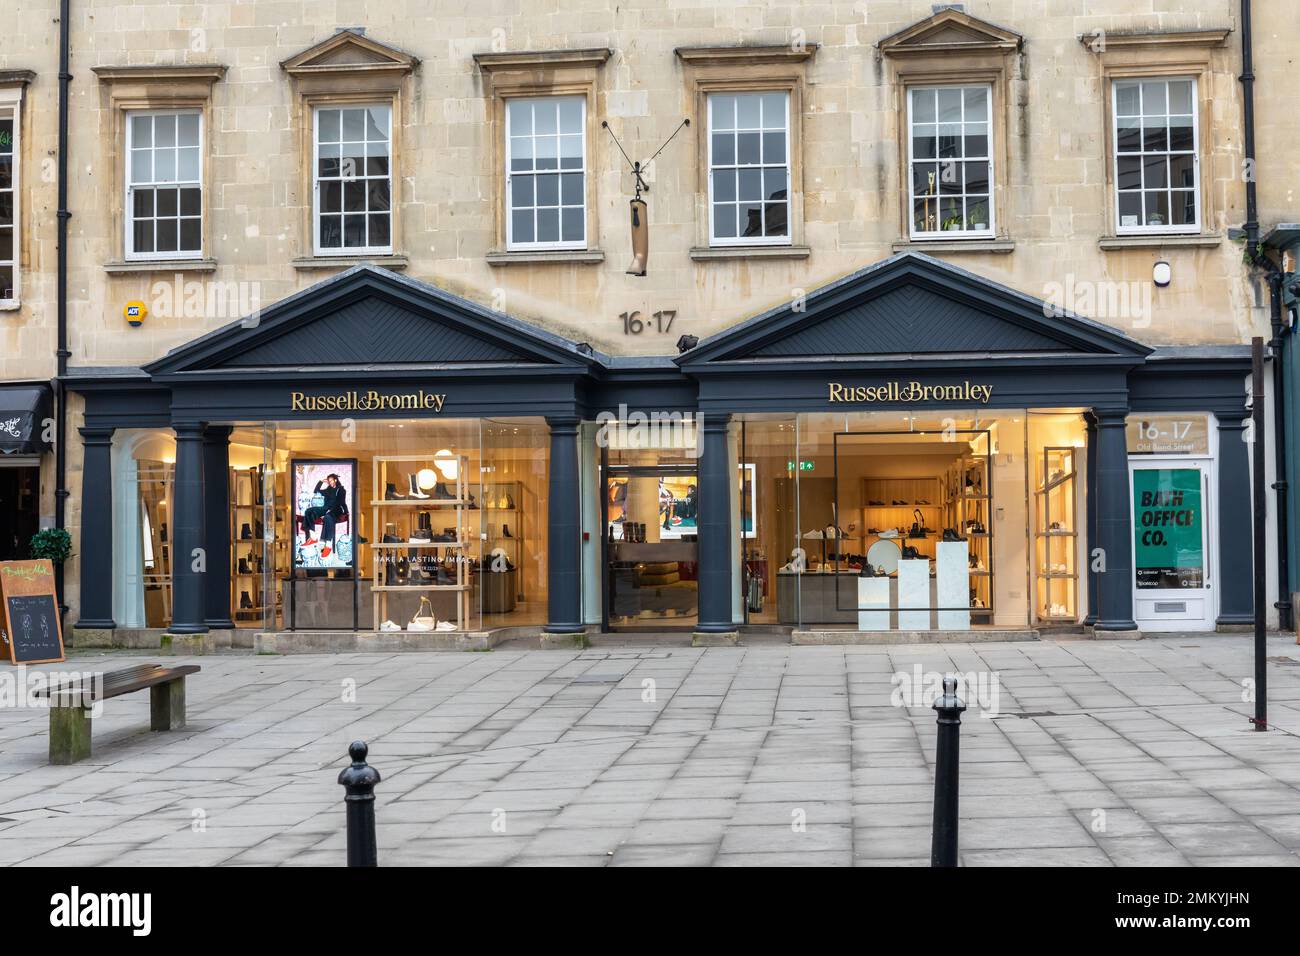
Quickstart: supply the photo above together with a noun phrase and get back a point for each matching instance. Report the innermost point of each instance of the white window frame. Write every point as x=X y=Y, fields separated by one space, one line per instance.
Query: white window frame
x=11 y=103
x=940 y=235
x=732 y=241
x=128 y=208
x=1168 y=228
x=328 y=251
x=511 y=244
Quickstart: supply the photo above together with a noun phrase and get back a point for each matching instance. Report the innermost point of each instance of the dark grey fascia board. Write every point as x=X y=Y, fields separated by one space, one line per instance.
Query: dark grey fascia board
x=356 y=374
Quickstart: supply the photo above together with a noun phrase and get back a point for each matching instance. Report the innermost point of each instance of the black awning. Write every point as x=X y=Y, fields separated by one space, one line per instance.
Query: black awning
x=24 y=411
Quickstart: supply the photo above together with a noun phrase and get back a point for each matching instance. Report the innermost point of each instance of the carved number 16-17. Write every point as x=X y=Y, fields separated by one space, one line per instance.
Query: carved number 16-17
x=660 y=321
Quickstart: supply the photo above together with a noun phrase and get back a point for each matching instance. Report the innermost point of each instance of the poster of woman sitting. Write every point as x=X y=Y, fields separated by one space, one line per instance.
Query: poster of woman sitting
x=323 y=526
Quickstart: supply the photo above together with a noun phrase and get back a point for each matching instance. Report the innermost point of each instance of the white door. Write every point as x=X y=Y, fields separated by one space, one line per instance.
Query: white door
x=1173 y=573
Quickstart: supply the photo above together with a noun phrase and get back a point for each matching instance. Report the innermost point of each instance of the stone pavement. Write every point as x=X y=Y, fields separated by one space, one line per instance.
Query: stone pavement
x=1124 y=753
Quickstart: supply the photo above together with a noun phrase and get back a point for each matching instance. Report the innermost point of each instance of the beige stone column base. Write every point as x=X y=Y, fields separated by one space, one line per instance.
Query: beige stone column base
x=1101 y=635
x=577 y=639
x=188 y=644
x=715 y=639
x=91 y=637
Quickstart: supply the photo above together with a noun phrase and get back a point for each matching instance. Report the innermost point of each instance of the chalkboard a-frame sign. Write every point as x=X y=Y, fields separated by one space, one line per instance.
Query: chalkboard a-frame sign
x=32 y=633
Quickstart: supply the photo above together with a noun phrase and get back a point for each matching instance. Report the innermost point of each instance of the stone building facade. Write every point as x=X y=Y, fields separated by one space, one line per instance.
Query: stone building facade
x=1108 y=170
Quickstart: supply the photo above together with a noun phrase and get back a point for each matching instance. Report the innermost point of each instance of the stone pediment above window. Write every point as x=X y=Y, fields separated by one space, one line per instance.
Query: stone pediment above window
x=1102 y=41
x=350 y=52
x=16 y=77
x=950 y=32
x=160 y=86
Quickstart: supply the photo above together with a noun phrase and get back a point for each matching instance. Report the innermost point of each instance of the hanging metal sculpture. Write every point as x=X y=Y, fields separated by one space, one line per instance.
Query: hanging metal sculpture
x=638 y=207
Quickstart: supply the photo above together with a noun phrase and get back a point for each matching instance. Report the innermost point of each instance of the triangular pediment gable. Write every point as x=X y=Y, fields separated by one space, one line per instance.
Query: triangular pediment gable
x=349 y=51
x=912 y=306
x=950 y=31
x=370 y=319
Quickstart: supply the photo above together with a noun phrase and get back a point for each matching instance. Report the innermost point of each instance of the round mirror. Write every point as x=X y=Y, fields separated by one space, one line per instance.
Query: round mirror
x=884 y=555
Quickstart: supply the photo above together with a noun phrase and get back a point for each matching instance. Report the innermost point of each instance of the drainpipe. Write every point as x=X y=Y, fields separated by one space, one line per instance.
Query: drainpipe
x=1247 y=79
x=1251 y=229
x=1285 y=619
x=62 y=353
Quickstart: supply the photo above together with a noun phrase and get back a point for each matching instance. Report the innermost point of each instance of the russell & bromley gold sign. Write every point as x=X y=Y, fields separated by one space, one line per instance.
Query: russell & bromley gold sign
x=368 y=401
x=909 y=392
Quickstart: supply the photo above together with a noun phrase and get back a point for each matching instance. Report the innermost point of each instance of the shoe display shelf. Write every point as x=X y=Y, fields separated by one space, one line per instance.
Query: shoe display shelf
x=155 y=483
x=258 y=556
x=892 y=503
x=967 y=507
x=1055 y=538
x=448 y=503
x=501 y=529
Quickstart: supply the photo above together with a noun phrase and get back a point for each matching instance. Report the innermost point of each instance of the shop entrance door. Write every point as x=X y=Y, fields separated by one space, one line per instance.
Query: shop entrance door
x=1173 y=572
x=19 y=517
x=649 y=514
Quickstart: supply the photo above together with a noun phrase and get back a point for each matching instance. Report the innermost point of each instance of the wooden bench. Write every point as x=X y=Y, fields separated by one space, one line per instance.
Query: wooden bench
x=70 y=704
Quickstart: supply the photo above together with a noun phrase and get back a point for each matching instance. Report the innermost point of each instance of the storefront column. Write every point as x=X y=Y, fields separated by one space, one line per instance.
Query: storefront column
x=1114 y=524
x=714 y=523
x=95 y=550
x=564 y=546
x=1090 y=518
x=1235 y=551
x=188 y=555
x=216 y=510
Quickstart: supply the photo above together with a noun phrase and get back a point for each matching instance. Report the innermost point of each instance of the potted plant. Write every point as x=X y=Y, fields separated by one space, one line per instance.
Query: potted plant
x=952 y=224
x=55 y=545
x=978 y=219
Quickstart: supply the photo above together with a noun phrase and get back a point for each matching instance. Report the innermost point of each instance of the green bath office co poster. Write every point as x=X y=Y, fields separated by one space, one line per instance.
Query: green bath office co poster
x=1168 y=541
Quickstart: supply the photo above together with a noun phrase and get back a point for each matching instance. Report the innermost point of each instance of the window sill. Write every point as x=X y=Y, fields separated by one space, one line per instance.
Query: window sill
x=120 y=266
x=996 y=246
x=10 y=305
x=708 y=253
x=309 y=263
x=519 y=257
x=1205 y=241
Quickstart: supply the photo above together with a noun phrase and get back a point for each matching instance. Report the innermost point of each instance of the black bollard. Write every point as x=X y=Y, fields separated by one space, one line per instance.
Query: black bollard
x=360 y=780
x=943 y=839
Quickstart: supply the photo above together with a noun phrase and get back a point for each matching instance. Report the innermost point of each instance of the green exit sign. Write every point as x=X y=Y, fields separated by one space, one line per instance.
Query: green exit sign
x=803 y=466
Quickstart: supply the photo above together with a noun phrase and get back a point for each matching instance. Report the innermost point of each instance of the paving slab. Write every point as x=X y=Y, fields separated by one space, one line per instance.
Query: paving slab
x=1099 y=753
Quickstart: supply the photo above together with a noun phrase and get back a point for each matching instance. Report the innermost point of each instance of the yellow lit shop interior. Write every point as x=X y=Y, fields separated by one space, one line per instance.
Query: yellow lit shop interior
x=896 y=521
x=650 y=514
x=423 y=526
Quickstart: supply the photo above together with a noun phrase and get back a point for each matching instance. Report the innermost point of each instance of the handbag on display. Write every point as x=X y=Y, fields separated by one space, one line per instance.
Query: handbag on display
x=919 y=530
x=425 y=619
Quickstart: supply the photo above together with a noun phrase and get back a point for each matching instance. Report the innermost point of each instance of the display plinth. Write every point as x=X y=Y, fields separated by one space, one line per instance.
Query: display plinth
x=873 y=593
x=952 y=585
x=914 y=594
